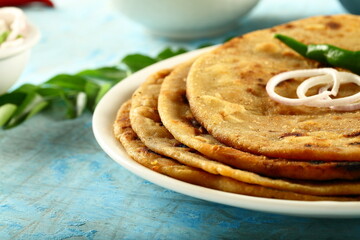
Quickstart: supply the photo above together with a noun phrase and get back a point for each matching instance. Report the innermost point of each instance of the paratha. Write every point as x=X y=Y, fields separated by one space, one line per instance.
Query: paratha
x=179 y=121
x=146 y=123
x=140 y=153
x=226 y=93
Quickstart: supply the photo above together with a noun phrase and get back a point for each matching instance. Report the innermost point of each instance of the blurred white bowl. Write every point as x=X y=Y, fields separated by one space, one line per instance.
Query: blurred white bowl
x=186 y=18
x=14 y=59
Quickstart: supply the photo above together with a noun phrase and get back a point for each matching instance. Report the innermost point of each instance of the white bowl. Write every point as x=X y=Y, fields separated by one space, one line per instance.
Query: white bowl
x=186 y=18
x=13 y=60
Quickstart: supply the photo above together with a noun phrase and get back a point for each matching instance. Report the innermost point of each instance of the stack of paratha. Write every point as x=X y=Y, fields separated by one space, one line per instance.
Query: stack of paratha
x=210 y=122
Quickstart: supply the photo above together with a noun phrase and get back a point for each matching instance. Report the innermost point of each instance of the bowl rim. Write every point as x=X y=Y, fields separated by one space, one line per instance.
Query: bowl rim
x=32 y=38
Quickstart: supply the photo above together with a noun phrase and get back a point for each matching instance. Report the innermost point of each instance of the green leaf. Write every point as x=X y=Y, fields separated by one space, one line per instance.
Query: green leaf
x=66 y=81
x=26 y=88
x=13 y=98
x=112 y=74
x=91 y=91
x=70 y=105
x=37 y=108
x=50 y=92
x=103 y=90
x=168 y=53
x=6 y=111
x=135 y=62
x=30 y=101
x=26 y=104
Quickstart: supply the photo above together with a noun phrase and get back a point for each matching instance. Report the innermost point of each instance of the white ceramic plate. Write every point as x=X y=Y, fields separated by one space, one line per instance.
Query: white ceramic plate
x=104 y=117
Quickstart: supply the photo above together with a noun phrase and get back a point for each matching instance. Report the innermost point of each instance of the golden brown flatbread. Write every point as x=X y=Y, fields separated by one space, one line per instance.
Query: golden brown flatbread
x=141 y=154
x=146 y=123
x=226 y=92
x=179 y=121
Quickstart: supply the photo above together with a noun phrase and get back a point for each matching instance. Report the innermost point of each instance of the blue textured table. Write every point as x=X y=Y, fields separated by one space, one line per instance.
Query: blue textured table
x=56 y=182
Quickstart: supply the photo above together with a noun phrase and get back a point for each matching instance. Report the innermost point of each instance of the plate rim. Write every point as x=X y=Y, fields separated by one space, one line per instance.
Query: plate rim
x=104 y=116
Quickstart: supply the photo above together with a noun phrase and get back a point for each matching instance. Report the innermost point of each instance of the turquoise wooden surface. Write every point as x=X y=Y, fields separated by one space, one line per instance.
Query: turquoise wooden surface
x=56 y=182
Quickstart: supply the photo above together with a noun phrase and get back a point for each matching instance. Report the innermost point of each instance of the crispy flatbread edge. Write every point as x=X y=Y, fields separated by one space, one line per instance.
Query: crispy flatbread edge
x=144 y=156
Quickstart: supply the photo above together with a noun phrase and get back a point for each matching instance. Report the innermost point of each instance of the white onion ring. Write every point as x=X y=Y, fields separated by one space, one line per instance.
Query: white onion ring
x=320 y=76
x=347 y=107
x=274 y=81
x=344 y=77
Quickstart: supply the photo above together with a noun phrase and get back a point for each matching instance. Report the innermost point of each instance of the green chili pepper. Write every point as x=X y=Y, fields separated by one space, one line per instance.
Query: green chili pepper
x=325 y=53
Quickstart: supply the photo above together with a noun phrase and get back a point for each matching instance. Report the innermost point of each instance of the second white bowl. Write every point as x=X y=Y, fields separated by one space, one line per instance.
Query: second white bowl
x=186 y=18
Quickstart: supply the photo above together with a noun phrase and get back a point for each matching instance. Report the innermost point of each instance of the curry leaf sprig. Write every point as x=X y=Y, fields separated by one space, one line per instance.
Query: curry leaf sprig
x=76 y=92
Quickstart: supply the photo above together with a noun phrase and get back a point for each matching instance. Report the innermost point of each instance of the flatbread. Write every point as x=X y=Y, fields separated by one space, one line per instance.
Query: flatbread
x=176 y=116
x=144 y=156
x=226 y=92
x=146 y=122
